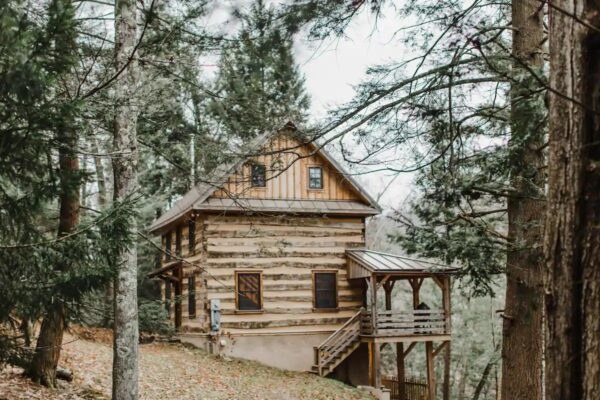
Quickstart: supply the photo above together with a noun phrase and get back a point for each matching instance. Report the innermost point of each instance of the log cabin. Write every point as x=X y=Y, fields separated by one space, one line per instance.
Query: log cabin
x=266 y=260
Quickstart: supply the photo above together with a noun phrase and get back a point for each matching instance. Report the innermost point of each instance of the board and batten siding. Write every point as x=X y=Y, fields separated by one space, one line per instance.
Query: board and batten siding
x=287 y=175
x=286 y=249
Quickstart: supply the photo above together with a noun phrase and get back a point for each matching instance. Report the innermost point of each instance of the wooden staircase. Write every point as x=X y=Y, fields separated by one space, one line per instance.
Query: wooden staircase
x=337 y=347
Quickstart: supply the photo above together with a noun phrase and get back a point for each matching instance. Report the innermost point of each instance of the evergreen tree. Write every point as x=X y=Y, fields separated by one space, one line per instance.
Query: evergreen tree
x=42 y=274
x=471 y=107
x=259 y=84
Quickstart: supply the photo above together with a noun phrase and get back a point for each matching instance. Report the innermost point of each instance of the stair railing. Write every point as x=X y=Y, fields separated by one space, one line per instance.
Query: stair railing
x=338 y=342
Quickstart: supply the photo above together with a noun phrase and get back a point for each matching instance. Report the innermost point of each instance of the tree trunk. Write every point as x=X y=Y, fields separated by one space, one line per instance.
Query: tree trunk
x=47 y=353
x=125 y=357
x=522 y=330
x=102 y=202
x=572 y=240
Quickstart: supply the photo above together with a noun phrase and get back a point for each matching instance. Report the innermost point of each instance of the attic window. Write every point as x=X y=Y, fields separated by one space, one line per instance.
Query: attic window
x=258 y=175
x=315 y=178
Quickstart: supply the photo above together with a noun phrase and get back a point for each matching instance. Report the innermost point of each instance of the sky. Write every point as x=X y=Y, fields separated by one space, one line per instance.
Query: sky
x=332 y=69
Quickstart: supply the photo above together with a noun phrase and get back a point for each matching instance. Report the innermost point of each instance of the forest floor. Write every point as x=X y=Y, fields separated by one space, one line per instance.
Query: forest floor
x=170 y=371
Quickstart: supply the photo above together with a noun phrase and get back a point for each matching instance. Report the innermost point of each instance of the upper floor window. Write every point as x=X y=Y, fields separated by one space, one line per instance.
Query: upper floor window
x=315 y=178
x=325 y=290
x=258 y=175
x=249 y=291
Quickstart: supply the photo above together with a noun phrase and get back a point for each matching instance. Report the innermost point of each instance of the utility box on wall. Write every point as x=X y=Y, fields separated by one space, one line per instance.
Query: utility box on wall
x=215 y=315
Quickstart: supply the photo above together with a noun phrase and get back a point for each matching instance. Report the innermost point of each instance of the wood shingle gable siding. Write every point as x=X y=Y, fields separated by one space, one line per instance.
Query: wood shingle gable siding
x=287 y=175
x=286 y=157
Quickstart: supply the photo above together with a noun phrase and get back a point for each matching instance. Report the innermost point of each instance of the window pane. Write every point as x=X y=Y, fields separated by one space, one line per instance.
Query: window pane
x=258 y=175
x=248 y=287
x=325 y=290
x=192 y=296
x=315 y=178
x=168 y=297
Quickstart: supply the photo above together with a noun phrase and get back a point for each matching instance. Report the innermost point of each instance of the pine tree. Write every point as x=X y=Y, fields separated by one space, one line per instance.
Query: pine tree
x=259 y=85
x=472 y=109
x=48 y=261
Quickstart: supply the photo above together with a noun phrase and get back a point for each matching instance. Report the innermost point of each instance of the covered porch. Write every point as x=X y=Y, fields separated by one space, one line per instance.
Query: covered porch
x=377 y=323
x=404 y=328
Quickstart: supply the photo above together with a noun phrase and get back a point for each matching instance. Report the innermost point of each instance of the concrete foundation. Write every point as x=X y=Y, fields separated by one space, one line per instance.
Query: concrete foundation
x=290 y=351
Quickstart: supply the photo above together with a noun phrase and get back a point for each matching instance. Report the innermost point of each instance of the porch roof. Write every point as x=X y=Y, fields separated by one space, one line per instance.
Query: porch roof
x=362 y=263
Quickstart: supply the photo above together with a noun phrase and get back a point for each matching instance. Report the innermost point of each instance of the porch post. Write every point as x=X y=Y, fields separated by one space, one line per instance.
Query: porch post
x=430 y=370
x=374 y=303
x=375 y=354
x=447 y=351
x=401 y=371
x=416 y=283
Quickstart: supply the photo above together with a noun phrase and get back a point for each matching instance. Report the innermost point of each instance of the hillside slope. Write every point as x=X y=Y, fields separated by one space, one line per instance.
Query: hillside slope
x=172 y=371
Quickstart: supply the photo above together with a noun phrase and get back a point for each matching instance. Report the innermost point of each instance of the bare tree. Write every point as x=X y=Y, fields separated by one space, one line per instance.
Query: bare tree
x=125 y=361
x=572 y=239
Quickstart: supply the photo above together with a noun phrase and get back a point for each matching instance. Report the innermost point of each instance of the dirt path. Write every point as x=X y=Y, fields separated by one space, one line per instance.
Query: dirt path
x=169 y=371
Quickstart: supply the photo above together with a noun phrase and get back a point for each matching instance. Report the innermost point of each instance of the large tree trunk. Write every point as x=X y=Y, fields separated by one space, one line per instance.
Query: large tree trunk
x=522 y=330
x=47 y=353
x=125 y=361
x=572 y=241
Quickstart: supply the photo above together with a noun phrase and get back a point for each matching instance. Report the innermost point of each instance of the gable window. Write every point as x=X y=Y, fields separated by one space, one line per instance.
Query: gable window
x=192 y=296
x=168 y=246
x=178 y=241
x=192 y=236
x=248 y=291
x=325 y=290
x=315 y=178
x=258 y=175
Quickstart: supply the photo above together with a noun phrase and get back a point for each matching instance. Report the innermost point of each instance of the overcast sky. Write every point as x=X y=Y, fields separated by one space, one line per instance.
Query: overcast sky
x=332 y=68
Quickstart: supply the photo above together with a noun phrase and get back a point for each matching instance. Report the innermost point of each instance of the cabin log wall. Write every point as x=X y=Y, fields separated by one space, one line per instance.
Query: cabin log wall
x=286 y=249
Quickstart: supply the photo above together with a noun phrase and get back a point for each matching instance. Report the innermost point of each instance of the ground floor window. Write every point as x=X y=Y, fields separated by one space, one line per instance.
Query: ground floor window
x=168 y=297
x=325 y=290
x=192 y=296
x=248 y=291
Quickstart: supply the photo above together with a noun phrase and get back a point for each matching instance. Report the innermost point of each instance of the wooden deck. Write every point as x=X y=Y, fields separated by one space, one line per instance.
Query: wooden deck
x=412 y=325
x=390 y=327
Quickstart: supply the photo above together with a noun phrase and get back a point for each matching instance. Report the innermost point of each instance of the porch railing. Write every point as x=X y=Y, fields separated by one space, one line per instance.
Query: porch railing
x=402 y=323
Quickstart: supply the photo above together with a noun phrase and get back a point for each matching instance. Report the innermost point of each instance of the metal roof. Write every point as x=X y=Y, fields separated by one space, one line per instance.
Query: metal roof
x=379 y=262
x=347 y=207
x=195 y=198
